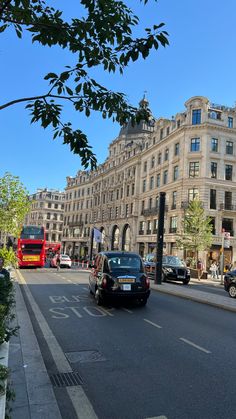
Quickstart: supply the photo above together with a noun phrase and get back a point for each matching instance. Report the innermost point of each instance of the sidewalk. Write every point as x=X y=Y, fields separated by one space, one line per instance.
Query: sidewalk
x=35 y=398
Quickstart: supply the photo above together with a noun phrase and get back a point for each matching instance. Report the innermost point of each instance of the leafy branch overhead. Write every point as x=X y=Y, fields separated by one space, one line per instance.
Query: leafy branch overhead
x=102 y=37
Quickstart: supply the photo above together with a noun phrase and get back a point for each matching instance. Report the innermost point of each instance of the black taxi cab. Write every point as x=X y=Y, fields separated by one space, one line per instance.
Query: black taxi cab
x=117 y=274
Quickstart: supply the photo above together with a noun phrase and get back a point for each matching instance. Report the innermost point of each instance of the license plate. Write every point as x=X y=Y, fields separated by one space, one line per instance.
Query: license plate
x=126 y=287
x=126 y=280
x=31 y=258
x=181 y=276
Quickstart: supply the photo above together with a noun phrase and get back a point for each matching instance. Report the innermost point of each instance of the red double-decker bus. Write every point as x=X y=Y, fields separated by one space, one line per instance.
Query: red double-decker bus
x=31 y=246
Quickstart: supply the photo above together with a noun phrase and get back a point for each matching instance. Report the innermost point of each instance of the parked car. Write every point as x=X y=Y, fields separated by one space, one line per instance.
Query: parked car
x=65 y=261
x=118 y=274
x=230 y=283
x=173 y=268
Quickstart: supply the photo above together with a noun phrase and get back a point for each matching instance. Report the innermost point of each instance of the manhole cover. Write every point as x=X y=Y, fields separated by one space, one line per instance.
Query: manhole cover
x=84 y=356
x=66 y=379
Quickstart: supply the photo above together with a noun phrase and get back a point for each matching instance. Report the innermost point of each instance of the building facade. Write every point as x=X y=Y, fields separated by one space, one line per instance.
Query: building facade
x=47 y=210
x=190 y=155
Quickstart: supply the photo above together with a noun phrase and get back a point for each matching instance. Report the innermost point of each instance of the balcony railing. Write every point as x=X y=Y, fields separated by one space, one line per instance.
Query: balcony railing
x=227 y=207
x=173 y=230
x=152 y=211
x=75 y=223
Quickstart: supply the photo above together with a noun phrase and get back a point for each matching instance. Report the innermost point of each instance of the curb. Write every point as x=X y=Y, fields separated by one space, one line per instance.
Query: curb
x=4 y=351
x=225 y=303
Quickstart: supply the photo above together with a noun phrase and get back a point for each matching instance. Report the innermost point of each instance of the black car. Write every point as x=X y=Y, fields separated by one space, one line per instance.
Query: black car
x=230 y=283
x=117 y=274
x=173 y=269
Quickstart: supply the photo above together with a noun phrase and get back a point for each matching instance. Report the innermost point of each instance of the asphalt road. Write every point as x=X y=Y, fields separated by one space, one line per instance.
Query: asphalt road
x=173 y=358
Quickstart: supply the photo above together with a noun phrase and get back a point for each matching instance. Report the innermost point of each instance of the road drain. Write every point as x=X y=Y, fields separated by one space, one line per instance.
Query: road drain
x=66 y=379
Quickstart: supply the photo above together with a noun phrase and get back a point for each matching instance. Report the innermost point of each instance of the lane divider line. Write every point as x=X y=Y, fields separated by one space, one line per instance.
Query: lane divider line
x=195 y=346
x=153 y=324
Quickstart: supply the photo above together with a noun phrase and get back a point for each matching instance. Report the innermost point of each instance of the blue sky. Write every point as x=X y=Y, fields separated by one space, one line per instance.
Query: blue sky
x=200 y=60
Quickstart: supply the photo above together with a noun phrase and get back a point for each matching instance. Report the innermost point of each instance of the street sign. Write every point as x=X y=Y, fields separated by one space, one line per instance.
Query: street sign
x=226 y=240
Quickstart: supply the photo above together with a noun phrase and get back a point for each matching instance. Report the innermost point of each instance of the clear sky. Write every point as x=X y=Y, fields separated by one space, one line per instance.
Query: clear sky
x=200 y=60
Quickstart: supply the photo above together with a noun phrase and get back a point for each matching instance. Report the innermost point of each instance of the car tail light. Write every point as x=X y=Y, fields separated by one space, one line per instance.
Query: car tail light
x=104 y=282
x=147 y=282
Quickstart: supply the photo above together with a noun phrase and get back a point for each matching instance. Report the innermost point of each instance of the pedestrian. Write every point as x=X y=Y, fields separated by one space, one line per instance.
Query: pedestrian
x=199 y=269
x=213 y=270
x=58 y=261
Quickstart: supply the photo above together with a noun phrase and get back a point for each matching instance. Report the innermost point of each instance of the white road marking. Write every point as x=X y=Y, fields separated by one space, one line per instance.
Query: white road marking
x=84 y=288
x=77 y=395
x=195 y=346
x=153 y=324
x=158 y=417
x=128 y=311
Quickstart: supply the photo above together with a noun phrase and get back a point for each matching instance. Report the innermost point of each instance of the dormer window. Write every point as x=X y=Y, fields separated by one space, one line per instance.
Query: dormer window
x=196 y=116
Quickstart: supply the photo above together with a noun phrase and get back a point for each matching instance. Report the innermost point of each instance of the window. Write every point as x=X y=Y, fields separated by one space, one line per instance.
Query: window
x=213 y=224
x=158 y=180
x=127 y=190
x=212 y=199
x=48 y=216
x=149 y=227
x=144 y=185
x=165 y=177
x=167 y=130
x=54 y=227
x=192 y=194
x=228 y=200
x=151 y=182
x=213 y=170
x=141 y=227
x=49 y=205
x=145 y=166
x=227 y=224
x=230 y=122
x=150 y=203
x=194 y=169
x=47 y=226
x=173 y=224
x=195 y=144
x=229 y=147
x=166 y=154
x=176 y=149
x=142 y=206
x=152 y=162
x=176 y=173
x=132 y=189
x=161 y=133
x=159 y=158
x=214 y=145
x=174 y=199
x=228 y=172
x=157 y=201
x=196 y=116
x=178 y=123
x=126 y=210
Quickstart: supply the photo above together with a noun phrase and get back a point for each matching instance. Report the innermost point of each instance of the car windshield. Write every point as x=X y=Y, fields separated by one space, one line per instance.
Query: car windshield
x=172 y=260
x=125 y=262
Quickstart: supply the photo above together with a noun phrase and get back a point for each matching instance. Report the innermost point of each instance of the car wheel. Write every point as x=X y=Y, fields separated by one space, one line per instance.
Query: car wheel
x=186 y=281
x=232 y=291
x=98 y=298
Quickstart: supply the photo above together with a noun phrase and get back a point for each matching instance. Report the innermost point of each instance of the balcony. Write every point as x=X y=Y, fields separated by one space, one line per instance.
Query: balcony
x=75 y=223
x=152 y=211
x=227 y=207
x=141 y=232
x=173 y=230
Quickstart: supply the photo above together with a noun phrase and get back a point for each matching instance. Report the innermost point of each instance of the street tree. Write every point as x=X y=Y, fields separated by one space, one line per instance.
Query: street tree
x=101 y=37
x=14 y=205
x=196 y=232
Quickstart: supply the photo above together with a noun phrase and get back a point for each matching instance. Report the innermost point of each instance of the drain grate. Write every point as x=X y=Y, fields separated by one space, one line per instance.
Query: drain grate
x=66 y=379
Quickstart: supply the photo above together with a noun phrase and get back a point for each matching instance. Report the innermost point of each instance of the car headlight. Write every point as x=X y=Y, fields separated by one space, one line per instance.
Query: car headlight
x=168 y=270
x=188 y=271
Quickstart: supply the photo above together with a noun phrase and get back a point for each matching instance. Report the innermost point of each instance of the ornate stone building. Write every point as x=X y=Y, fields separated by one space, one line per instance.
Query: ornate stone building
x=47 y=210
x=191 y=154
